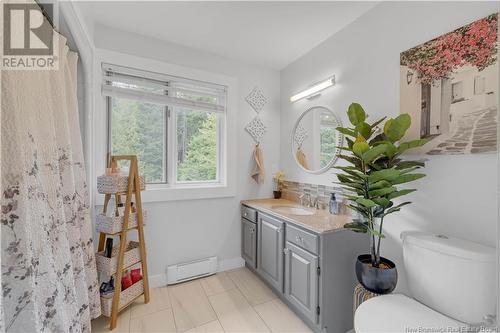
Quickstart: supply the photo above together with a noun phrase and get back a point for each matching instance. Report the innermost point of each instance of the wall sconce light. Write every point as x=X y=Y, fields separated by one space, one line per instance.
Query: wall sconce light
x=409 y=77
x=314 y=90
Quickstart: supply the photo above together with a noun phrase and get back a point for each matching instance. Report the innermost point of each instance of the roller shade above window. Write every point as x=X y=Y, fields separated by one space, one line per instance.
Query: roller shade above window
x=162 y=89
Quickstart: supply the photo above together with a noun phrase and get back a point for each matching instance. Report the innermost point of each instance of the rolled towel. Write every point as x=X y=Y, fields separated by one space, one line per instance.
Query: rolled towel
x=258 y=172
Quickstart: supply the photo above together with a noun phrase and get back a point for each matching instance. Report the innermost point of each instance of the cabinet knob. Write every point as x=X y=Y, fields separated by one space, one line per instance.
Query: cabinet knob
x=286 y=251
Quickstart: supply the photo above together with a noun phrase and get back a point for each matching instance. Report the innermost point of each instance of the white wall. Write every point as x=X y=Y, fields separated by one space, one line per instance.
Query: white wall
x=68 y=26
x=178 y=231
x=458 y=197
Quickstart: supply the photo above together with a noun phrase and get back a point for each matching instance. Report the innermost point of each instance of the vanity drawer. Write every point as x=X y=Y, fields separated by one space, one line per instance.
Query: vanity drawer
x=249 y=213
x=302 y=238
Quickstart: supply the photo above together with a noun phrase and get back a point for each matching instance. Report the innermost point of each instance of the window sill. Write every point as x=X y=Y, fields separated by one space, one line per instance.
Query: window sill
x=159 y=193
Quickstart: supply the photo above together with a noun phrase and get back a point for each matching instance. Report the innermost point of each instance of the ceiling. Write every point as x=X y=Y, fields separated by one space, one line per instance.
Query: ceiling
x=269 y=34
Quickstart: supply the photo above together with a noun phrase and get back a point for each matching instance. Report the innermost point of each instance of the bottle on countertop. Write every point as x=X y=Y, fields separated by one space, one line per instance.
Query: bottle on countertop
x=334 y=205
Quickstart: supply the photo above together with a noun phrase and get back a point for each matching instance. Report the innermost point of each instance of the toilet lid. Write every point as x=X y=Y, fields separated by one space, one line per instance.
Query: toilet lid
x=399 y=313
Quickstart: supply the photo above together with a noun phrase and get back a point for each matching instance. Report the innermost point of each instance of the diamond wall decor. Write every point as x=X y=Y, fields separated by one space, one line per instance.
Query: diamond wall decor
x=256 y=99
x=256 y=129
x=300 y=135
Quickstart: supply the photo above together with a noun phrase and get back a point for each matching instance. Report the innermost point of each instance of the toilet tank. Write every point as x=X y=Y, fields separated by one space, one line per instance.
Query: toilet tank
x=450 y=275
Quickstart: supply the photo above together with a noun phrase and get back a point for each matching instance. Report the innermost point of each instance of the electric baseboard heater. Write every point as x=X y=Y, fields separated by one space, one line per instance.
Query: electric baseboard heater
x=191 y=270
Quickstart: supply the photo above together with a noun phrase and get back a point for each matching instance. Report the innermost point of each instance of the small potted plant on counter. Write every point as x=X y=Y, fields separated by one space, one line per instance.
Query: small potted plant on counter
x=278 y=183
x=371 y=181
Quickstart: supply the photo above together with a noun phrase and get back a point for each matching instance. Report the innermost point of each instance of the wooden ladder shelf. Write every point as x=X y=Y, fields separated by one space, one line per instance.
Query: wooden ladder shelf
x=134 y=188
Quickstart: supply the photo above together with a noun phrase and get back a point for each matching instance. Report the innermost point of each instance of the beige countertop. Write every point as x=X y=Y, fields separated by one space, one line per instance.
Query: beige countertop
x=320 y=222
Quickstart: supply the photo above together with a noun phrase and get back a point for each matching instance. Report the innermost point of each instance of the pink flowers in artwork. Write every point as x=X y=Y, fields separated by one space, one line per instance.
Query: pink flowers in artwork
x=481 y=41
x=474 y=44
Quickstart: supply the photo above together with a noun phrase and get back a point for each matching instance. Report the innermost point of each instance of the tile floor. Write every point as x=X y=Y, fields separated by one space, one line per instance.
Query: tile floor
x=233 y=301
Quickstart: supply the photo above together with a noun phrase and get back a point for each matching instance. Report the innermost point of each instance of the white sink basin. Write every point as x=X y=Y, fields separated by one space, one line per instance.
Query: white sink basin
x=293 y=210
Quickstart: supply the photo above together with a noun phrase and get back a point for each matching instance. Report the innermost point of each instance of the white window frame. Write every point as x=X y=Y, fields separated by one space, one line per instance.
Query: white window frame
x=224 y=187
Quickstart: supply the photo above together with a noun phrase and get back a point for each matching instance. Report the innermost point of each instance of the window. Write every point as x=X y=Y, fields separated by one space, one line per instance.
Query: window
x=140 y=128
x=328 y=140
x=457 y=92
x=196 y=146
x=174 y=125
x=479 y=85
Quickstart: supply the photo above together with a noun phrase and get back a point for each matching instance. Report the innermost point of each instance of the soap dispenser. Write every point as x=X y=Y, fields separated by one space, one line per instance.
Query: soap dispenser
x=334 y=204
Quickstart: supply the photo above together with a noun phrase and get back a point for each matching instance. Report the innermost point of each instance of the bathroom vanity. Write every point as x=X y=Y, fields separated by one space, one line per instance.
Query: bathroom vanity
x=306 y=257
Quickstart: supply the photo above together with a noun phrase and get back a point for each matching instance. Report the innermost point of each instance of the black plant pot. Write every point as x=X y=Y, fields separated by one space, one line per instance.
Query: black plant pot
x=277 y=194
x=376 y=280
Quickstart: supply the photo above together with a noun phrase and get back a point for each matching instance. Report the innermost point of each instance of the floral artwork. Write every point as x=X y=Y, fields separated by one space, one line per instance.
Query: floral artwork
x=474 y=44
x=449 y=86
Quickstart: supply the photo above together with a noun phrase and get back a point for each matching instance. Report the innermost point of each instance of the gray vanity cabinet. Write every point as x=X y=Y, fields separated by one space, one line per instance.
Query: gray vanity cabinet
x=249 y=236
x=301 y=280
x=312 y=272
x=249 y=242
x=270 y=250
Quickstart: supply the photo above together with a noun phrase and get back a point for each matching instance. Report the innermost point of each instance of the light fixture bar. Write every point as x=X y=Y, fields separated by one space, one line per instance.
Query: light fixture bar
x=314 y=89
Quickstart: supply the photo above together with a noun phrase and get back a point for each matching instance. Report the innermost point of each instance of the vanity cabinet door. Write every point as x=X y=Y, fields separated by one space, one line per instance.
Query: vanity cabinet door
x=249 y=242
x=270 y=250
x=301 y=280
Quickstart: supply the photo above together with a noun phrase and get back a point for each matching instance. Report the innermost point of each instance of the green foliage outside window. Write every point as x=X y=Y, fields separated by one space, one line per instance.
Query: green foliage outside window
x=140 y=128
x=328 y=145
x=197 y=152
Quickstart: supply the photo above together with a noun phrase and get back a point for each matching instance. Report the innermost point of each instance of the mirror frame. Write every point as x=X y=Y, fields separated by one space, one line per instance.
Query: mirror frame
x=339 y=143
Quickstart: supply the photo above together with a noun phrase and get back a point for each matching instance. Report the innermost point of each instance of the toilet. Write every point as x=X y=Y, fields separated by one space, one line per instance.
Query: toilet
x=451 y=284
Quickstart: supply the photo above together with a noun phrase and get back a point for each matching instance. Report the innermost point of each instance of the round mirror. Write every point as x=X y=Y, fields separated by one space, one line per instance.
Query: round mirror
x=315 y=139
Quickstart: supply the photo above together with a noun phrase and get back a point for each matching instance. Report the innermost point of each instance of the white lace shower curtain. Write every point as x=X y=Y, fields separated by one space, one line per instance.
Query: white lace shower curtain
x=49 y=278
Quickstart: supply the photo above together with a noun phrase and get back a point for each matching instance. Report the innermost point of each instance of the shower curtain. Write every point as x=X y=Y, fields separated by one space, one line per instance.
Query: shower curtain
x=49 y=279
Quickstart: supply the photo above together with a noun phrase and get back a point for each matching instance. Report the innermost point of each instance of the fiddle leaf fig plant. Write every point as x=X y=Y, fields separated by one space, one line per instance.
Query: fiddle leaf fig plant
x=375 y=171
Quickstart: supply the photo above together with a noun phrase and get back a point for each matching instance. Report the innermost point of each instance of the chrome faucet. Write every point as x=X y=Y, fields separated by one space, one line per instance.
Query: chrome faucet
x=318 y=204
x=306 y=199
x=302 y=199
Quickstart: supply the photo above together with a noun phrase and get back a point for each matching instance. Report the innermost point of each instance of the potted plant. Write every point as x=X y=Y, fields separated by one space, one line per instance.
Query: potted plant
x=371 y=182
x=277 y=183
